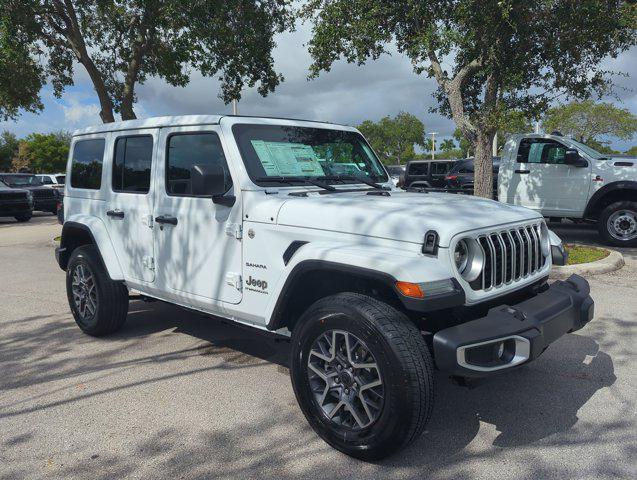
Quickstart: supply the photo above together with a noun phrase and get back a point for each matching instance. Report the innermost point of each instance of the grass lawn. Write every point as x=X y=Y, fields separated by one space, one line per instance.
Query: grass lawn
x=580 y=254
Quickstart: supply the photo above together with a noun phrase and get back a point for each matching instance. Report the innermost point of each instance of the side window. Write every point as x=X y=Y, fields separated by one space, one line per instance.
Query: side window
x=540 y=150
x=86 y=164
x=186 y=150
x=46 y=180
x=131 y=164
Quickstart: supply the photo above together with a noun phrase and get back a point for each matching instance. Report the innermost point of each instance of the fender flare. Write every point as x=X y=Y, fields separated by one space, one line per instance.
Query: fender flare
x=96 y=229
x=602 y=192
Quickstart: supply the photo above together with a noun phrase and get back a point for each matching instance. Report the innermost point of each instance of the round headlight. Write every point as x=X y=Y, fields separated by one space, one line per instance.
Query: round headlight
x=461 y=255
x=469 y=258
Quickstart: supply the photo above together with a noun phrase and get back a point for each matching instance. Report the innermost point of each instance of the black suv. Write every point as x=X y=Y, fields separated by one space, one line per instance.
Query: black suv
x=44 y=198
x=427 y=173
x=461 y=174
x=17 y=203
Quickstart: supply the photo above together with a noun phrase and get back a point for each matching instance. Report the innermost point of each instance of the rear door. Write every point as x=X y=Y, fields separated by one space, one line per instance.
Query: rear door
x=130 y=206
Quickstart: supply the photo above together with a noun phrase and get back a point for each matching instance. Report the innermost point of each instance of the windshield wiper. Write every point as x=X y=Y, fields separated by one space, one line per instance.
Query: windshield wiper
x=292 y=180
x=356 y=178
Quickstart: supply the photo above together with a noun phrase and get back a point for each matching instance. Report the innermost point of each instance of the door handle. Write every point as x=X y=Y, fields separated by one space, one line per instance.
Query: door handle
x=115 y=213
x=523 y=172
x=165 y=219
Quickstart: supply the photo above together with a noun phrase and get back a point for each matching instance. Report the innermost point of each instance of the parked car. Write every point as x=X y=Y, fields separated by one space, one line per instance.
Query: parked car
x=427 y=173
x=54 y=180
x=461 y=174
x=562 y=178
x=17 y=203
x=236 y=217
x=44 y=197
x=397 y=174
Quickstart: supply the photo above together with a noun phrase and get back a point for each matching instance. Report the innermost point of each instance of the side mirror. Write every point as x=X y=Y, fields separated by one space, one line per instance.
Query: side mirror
x=572 y=157
x=210 y=181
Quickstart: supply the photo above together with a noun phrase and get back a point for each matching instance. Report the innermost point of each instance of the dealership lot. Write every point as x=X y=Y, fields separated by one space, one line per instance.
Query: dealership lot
x=179 y=395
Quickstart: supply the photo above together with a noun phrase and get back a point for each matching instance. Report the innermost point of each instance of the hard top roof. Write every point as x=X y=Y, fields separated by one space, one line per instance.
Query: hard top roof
x=187 y=120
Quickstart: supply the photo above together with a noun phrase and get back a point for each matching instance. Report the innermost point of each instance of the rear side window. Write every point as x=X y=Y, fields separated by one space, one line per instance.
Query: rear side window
x=189 y=149
x=418 y=168
x=86 y=164
x=541 y=150
x=131 y=164
x=46 y=180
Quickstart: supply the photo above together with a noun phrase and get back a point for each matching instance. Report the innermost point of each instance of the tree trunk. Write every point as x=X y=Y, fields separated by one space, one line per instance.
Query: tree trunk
x=483 y=166
x=106 y=112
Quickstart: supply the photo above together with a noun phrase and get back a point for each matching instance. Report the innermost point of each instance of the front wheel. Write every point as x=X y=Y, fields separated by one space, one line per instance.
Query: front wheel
x=618 y=224
x=24 y=218
x=362 y=374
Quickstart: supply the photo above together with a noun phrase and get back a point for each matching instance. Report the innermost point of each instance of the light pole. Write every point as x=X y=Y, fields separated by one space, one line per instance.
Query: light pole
x=433 y=144
x=234 y=106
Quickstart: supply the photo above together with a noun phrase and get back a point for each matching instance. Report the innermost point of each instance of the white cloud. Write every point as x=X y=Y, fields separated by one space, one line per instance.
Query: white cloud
x=76 y=112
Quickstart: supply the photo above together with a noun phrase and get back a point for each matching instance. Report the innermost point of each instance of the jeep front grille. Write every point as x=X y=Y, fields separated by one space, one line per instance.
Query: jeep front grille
x=509 y=255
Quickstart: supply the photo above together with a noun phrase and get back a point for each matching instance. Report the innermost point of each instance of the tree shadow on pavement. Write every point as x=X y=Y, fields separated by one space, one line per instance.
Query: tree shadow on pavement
x=536 y=404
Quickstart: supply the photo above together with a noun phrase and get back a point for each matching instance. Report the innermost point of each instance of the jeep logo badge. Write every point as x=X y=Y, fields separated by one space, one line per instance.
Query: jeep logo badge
x=252 y=282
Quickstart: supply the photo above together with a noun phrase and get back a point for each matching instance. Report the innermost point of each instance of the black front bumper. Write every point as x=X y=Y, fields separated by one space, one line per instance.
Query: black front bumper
x=45 y=204
x=487 y=345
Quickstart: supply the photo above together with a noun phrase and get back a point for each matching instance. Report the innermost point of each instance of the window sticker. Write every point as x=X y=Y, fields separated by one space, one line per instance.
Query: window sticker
x=535 y=152
x=287 y=159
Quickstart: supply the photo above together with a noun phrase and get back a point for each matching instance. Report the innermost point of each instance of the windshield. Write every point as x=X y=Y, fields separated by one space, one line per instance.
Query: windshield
x=318 y=153
x=594 y=154
x=21 y=180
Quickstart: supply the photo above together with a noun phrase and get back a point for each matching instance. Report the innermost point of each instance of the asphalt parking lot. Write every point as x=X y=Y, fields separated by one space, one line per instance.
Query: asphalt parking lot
x=179 y=395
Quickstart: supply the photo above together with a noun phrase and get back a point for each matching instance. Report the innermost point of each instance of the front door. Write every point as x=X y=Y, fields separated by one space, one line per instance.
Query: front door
x=197 y=242
x=545 y=183
x=128 y=213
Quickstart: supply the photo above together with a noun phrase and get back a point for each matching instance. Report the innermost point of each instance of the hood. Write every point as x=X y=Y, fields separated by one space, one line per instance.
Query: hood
x=402 y=216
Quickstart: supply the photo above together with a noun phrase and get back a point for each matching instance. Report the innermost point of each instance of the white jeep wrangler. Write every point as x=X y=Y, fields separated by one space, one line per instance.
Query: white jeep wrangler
x=294 y=227
x=560 y=177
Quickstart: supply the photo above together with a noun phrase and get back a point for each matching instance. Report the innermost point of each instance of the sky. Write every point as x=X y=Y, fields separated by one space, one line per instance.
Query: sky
x=348 y=94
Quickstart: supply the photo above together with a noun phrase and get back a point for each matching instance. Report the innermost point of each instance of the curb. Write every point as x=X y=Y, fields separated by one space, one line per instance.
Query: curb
x=612 y=262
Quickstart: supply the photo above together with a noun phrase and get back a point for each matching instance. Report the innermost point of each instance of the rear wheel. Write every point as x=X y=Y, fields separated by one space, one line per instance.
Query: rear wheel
x=24 y=218
x=618 y=224
x=99 y=304
x=362 y=374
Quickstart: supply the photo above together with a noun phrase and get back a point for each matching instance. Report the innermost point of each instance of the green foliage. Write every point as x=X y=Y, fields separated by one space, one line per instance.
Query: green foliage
x=632 y=151
x=393 y=139
x=43 y=153
x=122 y=44
x=587 y=121
x=503 y=54
x=8 y=149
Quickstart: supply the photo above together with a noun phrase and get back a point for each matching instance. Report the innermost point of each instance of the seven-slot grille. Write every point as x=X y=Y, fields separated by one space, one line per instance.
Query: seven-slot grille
x=510 y=255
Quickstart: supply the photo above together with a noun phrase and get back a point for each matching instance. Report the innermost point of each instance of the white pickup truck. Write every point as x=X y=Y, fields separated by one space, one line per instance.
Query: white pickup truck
x=294 y=227
x=560 y=177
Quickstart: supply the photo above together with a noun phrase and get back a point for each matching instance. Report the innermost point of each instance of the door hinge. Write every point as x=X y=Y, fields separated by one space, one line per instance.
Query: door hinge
x=234 y=230
x=149 y=262
x=234 y=280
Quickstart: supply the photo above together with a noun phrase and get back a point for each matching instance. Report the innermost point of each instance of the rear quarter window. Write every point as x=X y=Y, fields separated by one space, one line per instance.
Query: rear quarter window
x=86 y=164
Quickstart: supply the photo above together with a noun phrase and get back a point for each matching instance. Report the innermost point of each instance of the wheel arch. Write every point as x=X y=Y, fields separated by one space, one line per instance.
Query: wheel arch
x=311 y=280
x=89 y=231
x=610 y=193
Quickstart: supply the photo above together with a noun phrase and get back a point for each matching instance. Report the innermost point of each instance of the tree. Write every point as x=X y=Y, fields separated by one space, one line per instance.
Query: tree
x=632 y=151
x=8 y=149
x=587 y=121
x=42 y=153
x=447 y=144
x=504 y=54
x=121 y=44
x=393 y=139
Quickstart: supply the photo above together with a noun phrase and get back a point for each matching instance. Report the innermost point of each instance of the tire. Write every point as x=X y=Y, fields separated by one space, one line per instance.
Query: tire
x=404 y=367
x=24 y=218
x=617 y=224
x=108 y=299
x=54 y=211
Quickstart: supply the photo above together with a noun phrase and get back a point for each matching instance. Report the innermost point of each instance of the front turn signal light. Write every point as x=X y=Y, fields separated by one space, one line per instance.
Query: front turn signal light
x=410 y=289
